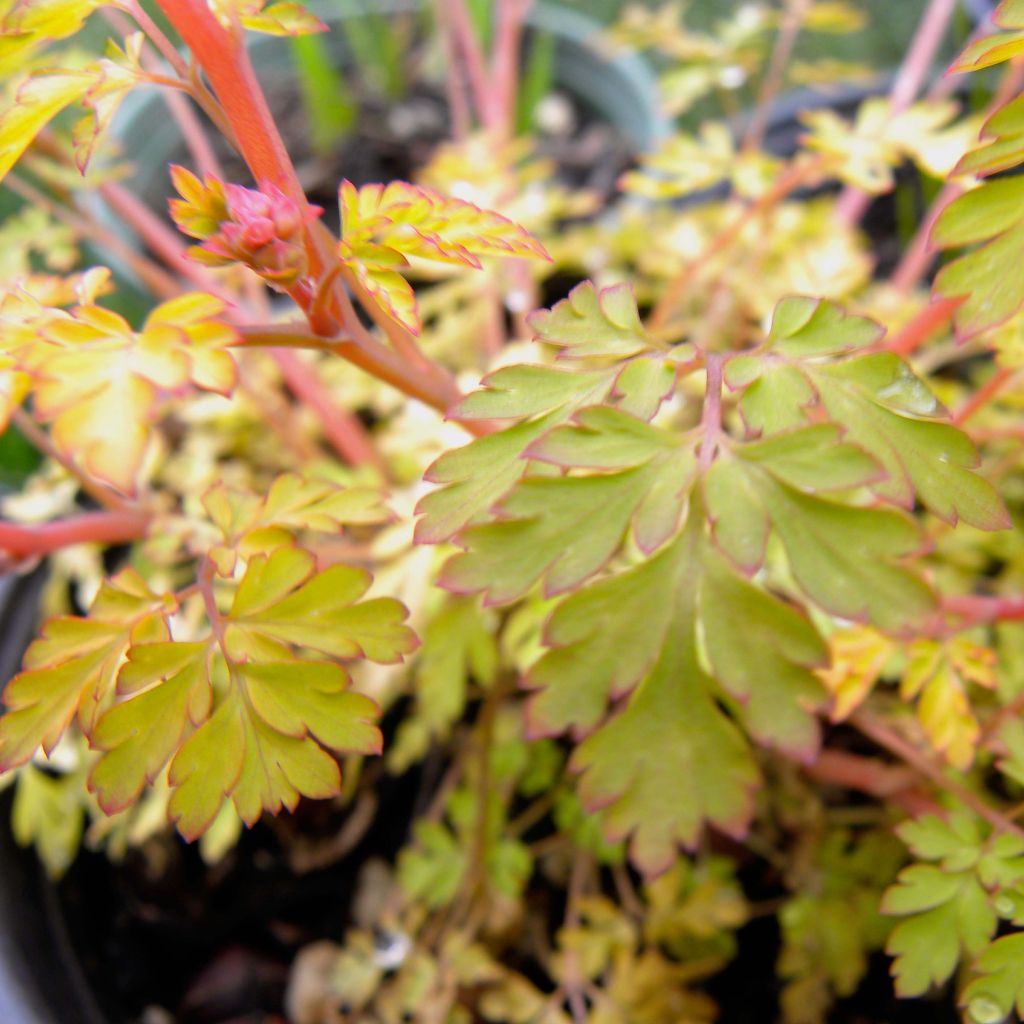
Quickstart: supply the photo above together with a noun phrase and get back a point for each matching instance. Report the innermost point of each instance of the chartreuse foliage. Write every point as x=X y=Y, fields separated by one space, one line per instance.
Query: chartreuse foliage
x=710 y=545
x=988 y=217
x=691 y=554
x=384 y=226
x=951 y=901
x=937 y=674
x=100 y=384
x=42 y=95
x=604 y=348
x=254 y=710
x=271 y=17
x=98 y=86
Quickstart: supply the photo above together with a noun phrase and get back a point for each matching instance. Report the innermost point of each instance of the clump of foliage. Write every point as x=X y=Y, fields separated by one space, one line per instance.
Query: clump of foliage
x=701 y=583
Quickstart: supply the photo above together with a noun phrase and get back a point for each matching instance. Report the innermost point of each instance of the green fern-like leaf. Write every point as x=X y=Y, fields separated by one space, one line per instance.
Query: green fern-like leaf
x=654 y=532
x=950 y=900
x=539 y=398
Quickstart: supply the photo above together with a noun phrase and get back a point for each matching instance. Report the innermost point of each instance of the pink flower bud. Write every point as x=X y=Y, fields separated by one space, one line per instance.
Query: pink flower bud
x=262 y=228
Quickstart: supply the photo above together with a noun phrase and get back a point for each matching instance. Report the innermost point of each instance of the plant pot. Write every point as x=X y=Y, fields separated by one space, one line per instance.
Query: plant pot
x=40 y=978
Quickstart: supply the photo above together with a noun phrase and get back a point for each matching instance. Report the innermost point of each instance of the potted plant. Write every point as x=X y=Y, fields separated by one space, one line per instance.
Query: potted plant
x=625 y=604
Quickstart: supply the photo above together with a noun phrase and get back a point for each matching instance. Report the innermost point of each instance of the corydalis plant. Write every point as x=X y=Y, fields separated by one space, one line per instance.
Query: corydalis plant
x=659 y=531
x=243 y=706
x=727 y=521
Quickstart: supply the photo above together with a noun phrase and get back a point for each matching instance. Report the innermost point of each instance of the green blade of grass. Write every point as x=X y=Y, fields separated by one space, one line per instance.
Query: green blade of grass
x=329 y=105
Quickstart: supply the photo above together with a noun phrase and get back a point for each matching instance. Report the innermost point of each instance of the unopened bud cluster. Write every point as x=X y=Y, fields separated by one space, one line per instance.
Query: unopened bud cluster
x=260 y=228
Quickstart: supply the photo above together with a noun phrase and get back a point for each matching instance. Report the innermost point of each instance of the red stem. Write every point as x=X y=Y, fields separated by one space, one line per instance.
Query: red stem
x=976 y=609
x=899 y=785
x=222 y=55
x=999 y=380
x=888 y=739
x=369 y=355
x=345 y=433
x=918 y=62
x=505 y=62
x=109 y=527
x=711 y=420
x=923 y=326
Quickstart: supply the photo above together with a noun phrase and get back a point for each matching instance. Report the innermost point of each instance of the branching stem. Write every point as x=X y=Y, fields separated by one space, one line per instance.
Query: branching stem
x=108 y=527
x=796 y=175
x=711 y=418
x=40 y=440
x=890 y=740
x=1001 y=379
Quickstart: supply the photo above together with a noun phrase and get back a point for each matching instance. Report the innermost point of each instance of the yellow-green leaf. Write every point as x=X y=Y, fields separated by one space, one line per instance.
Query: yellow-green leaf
x=139 y=735
x=282 y=598
x=72 y=668
x=384 y=225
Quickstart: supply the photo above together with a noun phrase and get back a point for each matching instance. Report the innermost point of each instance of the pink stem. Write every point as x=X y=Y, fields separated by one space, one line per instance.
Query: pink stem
x=152 y=274
x=108 y=527
x=166 y=48
x=919 y=254
x=344 y=431
x=205 y=586
x=853 y=202
x=458 y=103
x=160 y=239
x=918 y=257
x=505 y=62
x=189 y=125
x=999 y=380
x=711 y=419
x=193 y=133
x=785 y=41
x=465 y=37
